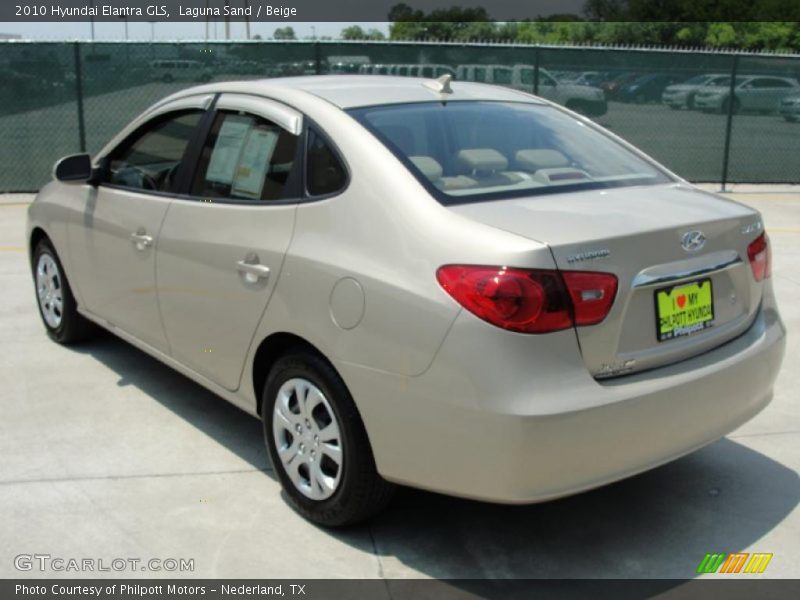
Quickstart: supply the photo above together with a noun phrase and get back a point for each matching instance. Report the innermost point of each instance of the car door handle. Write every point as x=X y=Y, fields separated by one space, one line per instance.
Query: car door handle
x=252 y=271
x=141 y=240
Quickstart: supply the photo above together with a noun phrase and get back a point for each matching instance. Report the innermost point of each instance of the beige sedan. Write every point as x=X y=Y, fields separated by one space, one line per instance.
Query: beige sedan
x=458 y=287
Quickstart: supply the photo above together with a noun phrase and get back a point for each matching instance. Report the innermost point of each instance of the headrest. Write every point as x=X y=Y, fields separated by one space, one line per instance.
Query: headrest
x=429 y=167
x=533 y=160
x=482 y=159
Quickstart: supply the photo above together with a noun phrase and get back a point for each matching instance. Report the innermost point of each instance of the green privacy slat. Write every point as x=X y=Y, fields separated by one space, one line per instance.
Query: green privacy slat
x=40 y=110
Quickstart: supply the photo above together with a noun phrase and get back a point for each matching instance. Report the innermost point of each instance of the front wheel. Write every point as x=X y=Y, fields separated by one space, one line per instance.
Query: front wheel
x=317 y=443
x=57 y=306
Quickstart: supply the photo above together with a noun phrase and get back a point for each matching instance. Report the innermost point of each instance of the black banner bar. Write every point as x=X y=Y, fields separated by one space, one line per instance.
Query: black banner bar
x=744 y=588
x=387 y=10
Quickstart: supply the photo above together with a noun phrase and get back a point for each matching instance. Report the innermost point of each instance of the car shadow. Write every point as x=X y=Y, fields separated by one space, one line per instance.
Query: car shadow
x=723 y=498
x=660 y=524
x=221 y=421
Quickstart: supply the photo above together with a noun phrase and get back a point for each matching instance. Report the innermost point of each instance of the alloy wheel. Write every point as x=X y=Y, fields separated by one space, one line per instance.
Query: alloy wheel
x=49 y=290
x=308 y=439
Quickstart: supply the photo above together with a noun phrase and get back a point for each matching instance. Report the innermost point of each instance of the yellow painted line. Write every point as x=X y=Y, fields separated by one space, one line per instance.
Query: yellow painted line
x=4 y=204
x=783 y=229
x=12 y=249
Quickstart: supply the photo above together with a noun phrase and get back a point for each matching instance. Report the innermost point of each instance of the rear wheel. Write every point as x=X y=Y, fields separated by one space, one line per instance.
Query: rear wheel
x=725 y=106
x=577 y=106
x=317 y=443
x=57 y=305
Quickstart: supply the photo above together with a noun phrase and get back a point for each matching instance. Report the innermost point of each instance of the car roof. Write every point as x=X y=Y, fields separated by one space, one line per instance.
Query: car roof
x=352 y=91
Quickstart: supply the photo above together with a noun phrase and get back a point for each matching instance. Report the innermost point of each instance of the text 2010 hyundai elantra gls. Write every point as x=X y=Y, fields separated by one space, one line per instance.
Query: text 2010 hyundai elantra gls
x=461 y=287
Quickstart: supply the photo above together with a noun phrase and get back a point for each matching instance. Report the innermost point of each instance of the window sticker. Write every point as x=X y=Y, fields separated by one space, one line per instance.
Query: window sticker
x=253 y=162
x=227 y=148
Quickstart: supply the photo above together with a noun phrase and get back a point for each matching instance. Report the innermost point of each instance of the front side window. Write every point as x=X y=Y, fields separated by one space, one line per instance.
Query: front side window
x=471 y=150
x=150 y=160
x=325 y=173
x=775 y=83
x=502 y=75
x=246 y=158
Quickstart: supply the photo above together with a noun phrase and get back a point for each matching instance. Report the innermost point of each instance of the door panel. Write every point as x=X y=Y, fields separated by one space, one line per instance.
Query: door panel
x=115 y=271
x=219 y=257
x=115 y=241
x=210 y=303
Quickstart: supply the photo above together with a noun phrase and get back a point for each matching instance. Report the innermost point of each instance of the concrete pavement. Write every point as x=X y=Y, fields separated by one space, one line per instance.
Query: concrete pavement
x=108 y=454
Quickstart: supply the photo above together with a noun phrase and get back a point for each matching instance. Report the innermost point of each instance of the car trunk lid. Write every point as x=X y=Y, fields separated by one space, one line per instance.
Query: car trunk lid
x=636 y=233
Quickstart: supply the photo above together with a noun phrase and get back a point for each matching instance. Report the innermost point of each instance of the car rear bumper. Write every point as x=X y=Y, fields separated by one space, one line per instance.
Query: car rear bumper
x=506 y=433
x=713 y=103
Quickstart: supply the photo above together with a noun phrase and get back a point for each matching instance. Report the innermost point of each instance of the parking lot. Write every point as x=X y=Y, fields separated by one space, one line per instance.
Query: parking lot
x=107 y=453
x=764 y=147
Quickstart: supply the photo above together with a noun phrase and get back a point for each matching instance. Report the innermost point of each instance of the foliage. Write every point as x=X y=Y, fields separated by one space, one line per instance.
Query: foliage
x=673 y=22
x=284 y=33
x=355 y=32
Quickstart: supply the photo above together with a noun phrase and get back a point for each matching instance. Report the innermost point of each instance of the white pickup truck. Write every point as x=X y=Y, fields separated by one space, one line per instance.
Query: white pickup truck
x=584 y=99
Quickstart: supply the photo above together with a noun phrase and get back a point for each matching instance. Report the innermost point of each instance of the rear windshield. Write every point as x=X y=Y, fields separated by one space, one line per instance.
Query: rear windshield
x=468 y=151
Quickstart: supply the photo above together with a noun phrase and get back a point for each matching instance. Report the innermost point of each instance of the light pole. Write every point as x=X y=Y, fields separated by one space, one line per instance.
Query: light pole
x=227 y=22
x=246 y=19
x=127 y=46
x=207 y=18
x=91 y=19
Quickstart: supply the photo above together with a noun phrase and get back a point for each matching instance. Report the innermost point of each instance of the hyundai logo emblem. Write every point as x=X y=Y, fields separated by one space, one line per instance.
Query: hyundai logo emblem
x=692 y=241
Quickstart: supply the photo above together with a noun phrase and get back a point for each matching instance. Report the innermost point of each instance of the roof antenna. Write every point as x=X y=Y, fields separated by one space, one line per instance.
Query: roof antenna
x=441 y=84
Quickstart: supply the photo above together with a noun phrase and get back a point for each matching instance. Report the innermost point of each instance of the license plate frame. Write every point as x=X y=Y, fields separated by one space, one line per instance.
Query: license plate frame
x=702 y=304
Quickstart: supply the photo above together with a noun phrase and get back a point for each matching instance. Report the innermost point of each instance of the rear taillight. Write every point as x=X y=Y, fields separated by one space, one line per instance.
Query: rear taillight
x=530 y=300
x=760 y=257
x=592 y=295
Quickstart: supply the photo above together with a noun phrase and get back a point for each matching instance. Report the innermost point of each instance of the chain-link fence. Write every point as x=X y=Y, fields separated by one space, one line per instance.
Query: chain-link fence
x=710 y=117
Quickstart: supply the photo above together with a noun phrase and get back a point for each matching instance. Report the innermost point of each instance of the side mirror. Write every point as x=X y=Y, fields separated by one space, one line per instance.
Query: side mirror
x=74 y=169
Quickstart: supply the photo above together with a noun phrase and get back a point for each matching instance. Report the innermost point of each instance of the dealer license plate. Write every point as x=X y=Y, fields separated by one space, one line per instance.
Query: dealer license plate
x=684 y=309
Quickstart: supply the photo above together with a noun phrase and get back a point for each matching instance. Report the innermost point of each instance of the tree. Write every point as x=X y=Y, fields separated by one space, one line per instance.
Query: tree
x=444 y=24
x=284 y=33
x=649 y=22
x=354 y=32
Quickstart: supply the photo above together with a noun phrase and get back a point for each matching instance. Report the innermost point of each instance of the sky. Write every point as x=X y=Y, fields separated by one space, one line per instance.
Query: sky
x=170 y=31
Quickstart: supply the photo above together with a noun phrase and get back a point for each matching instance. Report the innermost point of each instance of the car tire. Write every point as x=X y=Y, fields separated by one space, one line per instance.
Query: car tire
x=327 y=492
x=57 y=306
x=789 y=119
x=725 y=106
x=690 y=103
x=576 y=106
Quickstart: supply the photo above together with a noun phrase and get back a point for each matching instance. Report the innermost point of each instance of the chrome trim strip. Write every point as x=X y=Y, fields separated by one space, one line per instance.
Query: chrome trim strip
x=649 y=280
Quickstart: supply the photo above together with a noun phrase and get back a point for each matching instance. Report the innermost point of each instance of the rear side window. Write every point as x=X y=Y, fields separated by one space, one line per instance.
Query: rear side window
x=246 y=158
x=325 y=173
